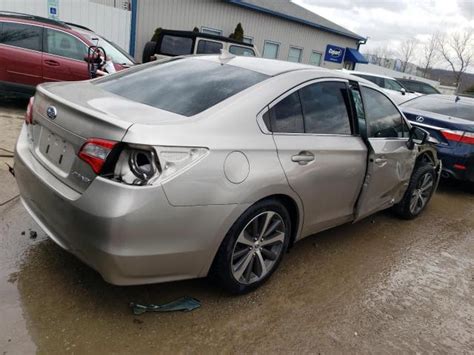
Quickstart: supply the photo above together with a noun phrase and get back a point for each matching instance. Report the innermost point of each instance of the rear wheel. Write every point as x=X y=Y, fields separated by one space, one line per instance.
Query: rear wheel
x=253 y=247
x=419 y=192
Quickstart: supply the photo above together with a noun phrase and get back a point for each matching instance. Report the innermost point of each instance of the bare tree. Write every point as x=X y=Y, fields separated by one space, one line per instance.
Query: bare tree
x=429 y=54
x=457 y=50
x=383 y=55
x=406 y=52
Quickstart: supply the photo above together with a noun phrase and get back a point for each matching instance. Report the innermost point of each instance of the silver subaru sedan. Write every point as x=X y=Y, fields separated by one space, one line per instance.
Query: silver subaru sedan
x=214 y=165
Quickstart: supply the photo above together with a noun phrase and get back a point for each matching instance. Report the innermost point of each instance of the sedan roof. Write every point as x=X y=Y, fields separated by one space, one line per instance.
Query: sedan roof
x=265 y=66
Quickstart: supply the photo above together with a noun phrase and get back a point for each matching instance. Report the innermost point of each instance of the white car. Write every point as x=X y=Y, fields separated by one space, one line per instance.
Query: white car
x=392 y=87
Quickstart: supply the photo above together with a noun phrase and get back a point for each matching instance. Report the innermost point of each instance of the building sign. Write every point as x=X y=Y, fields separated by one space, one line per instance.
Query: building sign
x=53 y=12
x=334 y=54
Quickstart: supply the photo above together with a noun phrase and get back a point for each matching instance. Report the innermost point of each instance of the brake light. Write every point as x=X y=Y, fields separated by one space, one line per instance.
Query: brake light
x=29 y=111
x=468 y=138
x=95 y=151
x=458 y=136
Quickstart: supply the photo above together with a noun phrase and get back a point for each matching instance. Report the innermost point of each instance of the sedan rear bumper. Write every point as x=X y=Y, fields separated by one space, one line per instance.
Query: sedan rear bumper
x=129 y=234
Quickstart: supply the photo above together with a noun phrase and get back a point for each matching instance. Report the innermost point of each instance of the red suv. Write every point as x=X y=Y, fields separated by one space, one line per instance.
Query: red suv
x=34 y=50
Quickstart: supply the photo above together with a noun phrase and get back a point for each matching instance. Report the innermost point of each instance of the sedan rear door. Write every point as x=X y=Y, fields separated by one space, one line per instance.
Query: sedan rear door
x=390 y=162
x=321 y=155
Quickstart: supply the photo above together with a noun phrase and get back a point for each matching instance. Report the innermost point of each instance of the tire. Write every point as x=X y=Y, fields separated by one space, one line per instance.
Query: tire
x=148 y=51
x=254 y=260
x=418 y=189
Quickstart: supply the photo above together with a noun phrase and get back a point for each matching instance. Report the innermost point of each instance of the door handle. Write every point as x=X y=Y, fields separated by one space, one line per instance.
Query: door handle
x=51 y=63
x=302 y=158
x=380 y=161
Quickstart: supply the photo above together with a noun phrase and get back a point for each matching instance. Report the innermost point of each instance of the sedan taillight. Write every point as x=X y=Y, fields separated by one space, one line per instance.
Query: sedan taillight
x=458 y=136
x=29 y=111
x=95 y=152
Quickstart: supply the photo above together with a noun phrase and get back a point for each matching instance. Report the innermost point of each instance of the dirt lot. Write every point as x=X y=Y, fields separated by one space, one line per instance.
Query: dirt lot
x=380 y=286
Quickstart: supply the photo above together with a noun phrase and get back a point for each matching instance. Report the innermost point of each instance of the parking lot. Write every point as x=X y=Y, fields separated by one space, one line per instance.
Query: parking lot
x=381 y=285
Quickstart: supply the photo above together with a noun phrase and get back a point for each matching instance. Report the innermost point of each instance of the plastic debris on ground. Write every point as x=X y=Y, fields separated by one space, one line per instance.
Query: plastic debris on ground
x=183 y=304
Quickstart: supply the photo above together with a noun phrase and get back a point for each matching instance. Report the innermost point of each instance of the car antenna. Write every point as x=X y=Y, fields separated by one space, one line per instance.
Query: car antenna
x=225 y=56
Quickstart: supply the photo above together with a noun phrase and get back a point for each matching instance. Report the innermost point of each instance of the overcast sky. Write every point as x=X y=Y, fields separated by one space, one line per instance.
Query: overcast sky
x=388 y=22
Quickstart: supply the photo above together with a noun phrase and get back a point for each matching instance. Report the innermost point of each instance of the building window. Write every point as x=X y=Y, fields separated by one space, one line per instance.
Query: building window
x=248 y=40
x=270 y=50
x=211 y=31
x=294 y=54
x=315 y=58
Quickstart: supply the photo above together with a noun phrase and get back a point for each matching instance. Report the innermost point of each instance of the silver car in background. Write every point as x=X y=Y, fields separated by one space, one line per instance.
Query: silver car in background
x=213 y=165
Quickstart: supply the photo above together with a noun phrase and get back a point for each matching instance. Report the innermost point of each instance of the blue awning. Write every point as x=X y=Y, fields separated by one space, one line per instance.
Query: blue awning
x=354 y=56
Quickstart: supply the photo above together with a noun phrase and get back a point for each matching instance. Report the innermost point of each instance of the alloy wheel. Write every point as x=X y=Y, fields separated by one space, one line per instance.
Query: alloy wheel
x=422 y=193
x=258 y=247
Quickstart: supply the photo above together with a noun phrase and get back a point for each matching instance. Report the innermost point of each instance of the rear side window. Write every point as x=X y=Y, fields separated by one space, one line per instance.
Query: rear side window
x=64 y=45
x=175 y=45
x=287 y=115
x=324 y=108
x=238 y=50
x=383 y=118
x=208 y=47
x=184 y=86
x=22 y=36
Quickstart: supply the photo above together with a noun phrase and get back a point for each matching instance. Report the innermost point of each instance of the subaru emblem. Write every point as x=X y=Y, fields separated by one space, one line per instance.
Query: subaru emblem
x=420 y=119
x=51 y=112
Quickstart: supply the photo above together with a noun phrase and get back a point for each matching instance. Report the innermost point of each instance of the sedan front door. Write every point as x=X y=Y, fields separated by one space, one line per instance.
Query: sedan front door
x=63 y=57
x=390 y=161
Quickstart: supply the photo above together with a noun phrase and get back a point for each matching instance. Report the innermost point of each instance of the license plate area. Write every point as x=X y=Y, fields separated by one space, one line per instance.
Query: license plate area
x=56 y=150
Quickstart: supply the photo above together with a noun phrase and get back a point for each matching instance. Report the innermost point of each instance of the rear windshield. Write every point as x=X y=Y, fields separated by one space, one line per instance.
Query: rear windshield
x=184 y=86
x=434 y=104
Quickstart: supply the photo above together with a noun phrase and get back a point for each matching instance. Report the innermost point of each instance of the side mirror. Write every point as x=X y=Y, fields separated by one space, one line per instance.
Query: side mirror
x=417 y=136
x=403 y=91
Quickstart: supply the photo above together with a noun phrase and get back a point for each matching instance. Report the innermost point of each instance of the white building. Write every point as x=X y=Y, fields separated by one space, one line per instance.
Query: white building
x=278 y=28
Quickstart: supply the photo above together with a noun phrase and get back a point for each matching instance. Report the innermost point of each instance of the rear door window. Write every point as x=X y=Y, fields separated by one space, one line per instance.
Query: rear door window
x=184 y=86
x=325 y=108
x=176 y=45
x=208 y=47
x=64 y=45
x=22 y=36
